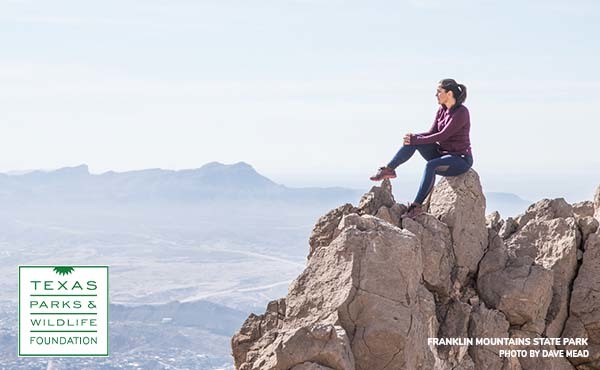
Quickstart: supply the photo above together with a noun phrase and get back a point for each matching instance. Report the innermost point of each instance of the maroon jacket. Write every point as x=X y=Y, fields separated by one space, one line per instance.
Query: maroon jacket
x=450 y=130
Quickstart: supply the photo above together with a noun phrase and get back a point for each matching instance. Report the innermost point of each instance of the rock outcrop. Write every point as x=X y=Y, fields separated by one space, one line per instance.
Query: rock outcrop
x=459 y=203
x=382 y=292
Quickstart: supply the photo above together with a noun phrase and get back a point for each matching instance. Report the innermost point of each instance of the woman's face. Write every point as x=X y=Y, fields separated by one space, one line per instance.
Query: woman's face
x=442 y=95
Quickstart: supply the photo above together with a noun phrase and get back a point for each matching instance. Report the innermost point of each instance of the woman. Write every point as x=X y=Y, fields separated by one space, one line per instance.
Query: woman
x=446 y=146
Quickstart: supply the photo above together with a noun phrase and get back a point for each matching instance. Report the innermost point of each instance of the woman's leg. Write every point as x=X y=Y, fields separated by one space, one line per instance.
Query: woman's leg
x=428 y=151
x=456 y=169
x=447 y=165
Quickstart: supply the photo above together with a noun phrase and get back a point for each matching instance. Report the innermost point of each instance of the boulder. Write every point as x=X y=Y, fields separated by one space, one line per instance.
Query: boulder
x=455 y=324
x=489 y=323
x=385 y=213
x=326 y=227
x=376 y=287
x=389 y=309
x=324 y=344
x=583 y=209
x=508 y=228
x=519 y=288
x=253 y=329
x=459 y=202
x=377 y=197
x=545 y=209
x=587 y=225
x=437 y=253
x=494 y=221
x=362 y=292
x=551 y=243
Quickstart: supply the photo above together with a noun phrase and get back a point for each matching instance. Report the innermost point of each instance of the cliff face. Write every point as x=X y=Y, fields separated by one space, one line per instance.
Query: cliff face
x=376 y=287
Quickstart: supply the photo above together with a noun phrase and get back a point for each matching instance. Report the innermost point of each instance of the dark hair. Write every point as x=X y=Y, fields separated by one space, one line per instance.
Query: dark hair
x=459 y=91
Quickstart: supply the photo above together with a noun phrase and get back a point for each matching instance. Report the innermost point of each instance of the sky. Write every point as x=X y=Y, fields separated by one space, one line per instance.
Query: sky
x=310 y=93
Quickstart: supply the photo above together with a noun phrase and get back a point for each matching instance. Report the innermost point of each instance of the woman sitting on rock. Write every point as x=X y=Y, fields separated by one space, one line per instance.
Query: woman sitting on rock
x=446 y=146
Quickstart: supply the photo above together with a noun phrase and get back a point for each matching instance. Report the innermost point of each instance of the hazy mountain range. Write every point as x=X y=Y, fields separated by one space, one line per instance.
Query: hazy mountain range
x=213 y=182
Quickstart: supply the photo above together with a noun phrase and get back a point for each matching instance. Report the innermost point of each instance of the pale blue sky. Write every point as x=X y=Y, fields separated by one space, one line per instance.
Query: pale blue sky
x=308 y=92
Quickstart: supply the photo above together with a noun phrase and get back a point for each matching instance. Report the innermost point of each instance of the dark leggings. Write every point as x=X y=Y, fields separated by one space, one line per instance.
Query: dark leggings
x=437 y=164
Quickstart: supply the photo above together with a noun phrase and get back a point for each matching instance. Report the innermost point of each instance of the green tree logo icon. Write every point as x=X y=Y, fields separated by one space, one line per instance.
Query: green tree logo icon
x=63 y=270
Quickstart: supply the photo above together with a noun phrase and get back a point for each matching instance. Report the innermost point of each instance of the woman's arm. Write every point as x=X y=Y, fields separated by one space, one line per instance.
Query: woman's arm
x=458 y=120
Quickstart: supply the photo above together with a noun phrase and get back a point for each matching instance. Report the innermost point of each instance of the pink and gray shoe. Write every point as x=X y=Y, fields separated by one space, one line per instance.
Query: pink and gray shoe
x=383 y=173
x=414 y=210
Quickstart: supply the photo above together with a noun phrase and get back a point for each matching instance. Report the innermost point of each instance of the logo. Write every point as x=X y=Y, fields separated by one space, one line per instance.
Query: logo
x=63 y=311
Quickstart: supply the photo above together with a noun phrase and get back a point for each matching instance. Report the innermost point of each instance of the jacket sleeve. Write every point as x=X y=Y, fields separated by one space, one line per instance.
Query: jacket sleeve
x=458 y=120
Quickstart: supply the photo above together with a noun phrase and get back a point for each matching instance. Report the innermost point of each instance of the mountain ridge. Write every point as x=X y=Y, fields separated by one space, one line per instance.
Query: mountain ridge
x=213 y=181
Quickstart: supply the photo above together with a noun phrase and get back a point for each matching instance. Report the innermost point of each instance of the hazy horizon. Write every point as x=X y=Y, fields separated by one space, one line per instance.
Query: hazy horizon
x=574 y=186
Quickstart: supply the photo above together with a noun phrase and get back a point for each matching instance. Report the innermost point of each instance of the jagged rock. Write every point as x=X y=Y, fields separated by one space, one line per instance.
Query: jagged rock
x=486 y=323
x=583 y=209
x=552 y=243
x=455 y=325
x=385 y=214
x=321 y=343
x=327 y=226
x=388 y=310
x=437 y=254
x=518 y=287
x=587 y=225
x=374 y=288
x=508 y=228
x=546 y=209
x=378 y=196
x=367 y=284
x=253 y=329
x=540 y=362
x=494 y=221
x=584 y=312
x=459 y=202
x=310 y=366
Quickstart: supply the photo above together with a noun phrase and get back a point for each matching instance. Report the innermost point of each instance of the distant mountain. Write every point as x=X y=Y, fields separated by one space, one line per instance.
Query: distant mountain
x=508 y=204
x=212 y=182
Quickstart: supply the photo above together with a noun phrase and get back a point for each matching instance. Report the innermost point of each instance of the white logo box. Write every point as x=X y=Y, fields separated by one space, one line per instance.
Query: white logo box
x=63 y=315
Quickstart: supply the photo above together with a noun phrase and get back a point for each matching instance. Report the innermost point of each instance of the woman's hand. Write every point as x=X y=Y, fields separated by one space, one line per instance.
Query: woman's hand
x=407 y=139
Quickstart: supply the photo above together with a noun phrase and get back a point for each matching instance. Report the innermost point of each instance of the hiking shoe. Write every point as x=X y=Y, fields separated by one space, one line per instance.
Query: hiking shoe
x=414 y=210
x=383 y=173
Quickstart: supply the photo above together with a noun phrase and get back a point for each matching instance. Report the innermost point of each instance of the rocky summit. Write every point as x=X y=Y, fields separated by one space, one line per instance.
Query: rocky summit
x=382 y=292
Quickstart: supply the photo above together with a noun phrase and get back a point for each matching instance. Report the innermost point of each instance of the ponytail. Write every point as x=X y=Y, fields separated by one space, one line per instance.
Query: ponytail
x=463 y=94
